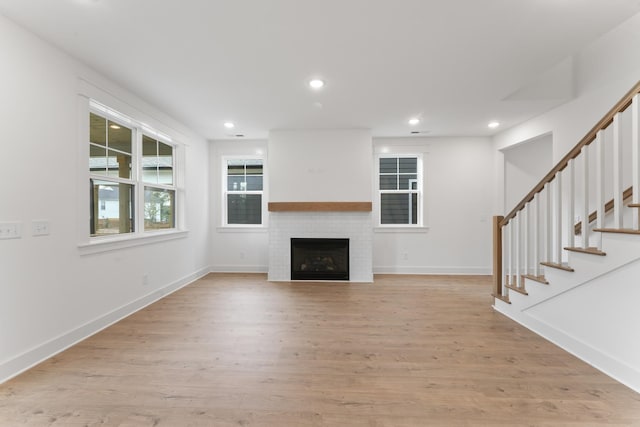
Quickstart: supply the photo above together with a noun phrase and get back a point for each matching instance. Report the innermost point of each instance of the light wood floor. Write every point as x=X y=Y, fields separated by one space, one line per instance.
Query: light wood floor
x=236 y=350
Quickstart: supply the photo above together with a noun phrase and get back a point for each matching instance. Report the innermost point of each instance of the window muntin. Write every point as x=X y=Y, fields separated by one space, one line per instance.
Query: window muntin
x=122 y=159
x=400 y=190
x=243 y=191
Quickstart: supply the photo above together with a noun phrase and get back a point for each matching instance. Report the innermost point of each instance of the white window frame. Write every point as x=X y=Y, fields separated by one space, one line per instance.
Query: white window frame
x=144 y=184
x=92 y=244
x=225 y=192
x=419 y=181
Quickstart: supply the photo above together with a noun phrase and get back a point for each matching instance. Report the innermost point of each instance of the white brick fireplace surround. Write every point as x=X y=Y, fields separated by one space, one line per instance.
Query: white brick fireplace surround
x=355 y=226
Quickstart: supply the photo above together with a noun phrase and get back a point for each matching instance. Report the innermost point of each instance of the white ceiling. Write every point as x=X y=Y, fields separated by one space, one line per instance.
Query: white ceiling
x=457 y=64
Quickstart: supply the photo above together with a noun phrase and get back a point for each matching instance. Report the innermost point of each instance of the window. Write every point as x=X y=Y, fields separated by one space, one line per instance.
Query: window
x=159 y=198
x=399 y=180
x=243 y=191
x=131 y=175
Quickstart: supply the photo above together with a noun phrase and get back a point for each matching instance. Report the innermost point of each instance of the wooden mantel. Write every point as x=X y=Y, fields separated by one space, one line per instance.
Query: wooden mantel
x=320 y=206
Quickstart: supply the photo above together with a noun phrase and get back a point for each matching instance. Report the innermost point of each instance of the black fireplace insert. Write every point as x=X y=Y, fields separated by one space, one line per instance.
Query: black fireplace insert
x=319 y=259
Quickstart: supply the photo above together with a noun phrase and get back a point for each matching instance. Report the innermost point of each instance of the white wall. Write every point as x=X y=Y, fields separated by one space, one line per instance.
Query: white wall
x=458 y=200
x=236 y=249
x=52 y=292
x=524 y=166
x=604 y=71
x=320 y=165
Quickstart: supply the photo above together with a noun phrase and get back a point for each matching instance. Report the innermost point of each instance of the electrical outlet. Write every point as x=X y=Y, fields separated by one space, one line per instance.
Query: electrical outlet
x=405 y=256
x=40 y=228
x=145 y=280
x=10 y=230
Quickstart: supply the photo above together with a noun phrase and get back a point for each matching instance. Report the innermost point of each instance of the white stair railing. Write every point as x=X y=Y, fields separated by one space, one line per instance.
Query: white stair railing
x=532 y=235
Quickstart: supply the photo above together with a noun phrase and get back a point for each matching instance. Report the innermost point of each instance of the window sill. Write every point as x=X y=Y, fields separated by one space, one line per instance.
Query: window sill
x=400 y=229
x=242 y=229
x=109 y=243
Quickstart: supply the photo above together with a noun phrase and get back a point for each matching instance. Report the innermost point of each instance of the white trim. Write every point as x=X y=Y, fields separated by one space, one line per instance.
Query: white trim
x=12 y=367
x=242 y=229
x=472 y=271
x=100 y=244
x=400 y=229
x=239 y=269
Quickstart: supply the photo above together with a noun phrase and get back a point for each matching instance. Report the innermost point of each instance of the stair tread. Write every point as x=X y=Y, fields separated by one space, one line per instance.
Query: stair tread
x=518 y=289
x=502 y=298
x=539 y=279
x=618 y=230
x=634 y=205
x=562 y=266
x=590 y=250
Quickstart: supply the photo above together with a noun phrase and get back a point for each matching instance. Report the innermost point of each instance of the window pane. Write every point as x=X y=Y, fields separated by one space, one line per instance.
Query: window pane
x=111 y=206
x=119 y=137
x=164 y=149
x=254 y=167
x=409 y=165
x=235 y=167
x=254 y=183
x=395 y=208
x=97 y=160
x=97 y=129
x=165 y=164
x=389 y=165
x=149 y=146
x=408 y=182
x=119 y=164
x=388 y=182
x=414 y=208
x=236 y=183
x=159 y=208
x=244 y=209
x=165 y=176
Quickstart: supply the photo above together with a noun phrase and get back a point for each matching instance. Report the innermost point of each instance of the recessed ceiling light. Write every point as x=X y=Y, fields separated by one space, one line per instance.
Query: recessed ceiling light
x=316 y=84
x=229 y=125
x=414 y=121
x=114 y=126
x=493 y=125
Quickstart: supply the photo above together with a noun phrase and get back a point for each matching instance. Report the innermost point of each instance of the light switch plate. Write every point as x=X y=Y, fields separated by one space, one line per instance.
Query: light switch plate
x=10 y=230
x=40 y=228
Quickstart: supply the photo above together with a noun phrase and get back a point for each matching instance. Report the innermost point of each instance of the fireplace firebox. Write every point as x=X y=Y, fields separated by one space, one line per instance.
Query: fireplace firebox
x=319 y=259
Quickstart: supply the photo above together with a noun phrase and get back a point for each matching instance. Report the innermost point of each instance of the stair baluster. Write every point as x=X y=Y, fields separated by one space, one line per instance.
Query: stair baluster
x=600 y=201
x=635 y=160
x=557 y=207
x=571 y=171
x=617 y=174
x=585 y=198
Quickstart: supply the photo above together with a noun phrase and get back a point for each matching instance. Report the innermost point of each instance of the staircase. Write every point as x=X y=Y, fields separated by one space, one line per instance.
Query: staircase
x=567 y=257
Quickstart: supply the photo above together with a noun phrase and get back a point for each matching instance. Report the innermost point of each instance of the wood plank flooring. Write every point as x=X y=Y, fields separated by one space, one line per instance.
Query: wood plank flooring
x=236 y=350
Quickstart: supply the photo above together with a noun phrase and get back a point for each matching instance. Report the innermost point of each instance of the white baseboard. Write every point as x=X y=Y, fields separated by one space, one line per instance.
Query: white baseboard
x=614 y=368
x=483 y=271
x=471 y=271
x=16 y=365
x=239 y=269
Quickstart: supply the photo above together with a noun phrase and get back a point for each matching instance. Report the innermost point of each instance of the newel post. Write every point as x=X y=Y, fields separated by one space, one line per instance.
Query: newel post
x=497 y=255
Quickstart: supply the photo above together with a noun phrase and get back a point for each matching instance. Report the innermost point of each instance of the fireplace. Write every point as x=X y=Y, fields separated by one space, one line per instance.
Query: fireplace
x=319 y=259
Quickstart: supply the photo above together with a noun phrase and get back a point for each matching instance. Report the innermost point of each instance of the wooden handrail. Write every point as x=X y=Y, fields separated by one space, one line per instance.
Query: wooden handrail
x=608 y=207
x=620 y=106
